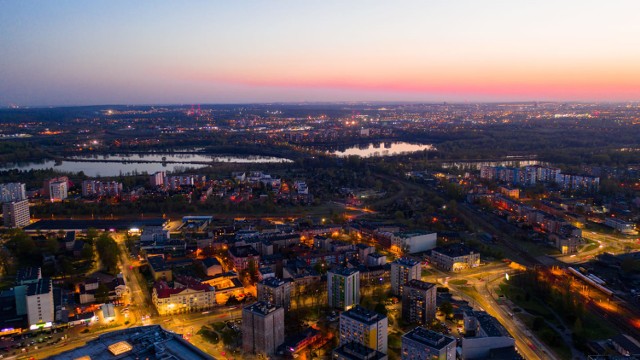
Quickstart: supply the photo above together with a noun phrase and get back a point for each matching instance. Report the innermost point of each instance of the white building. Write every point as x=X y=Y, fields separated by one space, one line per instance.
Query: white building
x=58 y=190
x=12 y=192
x=343 y=286
x=403 y=270
x=376 y=259
x=157 y=179
x=483 y=333
x=622 y=226
x=101 y=188
x=16 y=214
x=423 y=344
x=413 y=242
x=455 y=257
x=301 y=187
x=366 y=327
x=39 y=298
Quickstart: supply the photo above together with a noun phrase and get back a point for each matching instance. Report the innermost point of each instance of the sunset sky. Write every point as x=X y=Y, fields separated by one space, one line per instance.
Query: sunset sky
x=169 y=52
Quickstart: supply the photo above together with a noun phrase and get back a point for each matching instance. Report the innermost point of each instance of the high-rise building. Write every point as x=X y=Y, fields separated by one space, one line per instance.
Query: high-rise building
x=343 y=287
x=423 y=344
x=16 y=214
x=46 y=188
x=403 y=270
x=39 y=297
x=12 y=192
x=58 y=190
x=275 y=291
x=366 y=327
x=419 y=302
x=157 y=179
x=101 y=188
x=262 y=328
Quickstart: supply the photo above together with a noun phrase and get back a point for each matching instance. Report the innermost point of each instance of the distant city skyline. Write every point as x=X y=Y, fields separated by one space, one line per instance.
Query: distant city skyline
x=164 y=52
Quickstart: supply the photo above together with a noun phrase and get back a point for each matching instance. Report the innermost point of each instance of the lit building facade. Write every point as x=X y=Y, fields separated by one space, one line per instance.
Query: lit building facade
x=16 y=214
x=403 y=270
x=366 y=327
x=343 y=287
x=419 y=302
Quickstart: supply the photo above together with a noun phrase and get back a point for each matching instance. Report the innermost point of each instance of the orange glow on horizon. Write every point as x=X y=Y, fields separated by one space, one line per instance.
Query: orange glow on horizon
x=533 y=84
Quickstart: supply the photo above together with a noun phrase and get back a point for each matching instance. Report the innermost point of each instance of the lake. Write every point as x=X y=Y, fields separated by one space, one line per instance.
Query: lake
x=140 y=163
x=382 y=149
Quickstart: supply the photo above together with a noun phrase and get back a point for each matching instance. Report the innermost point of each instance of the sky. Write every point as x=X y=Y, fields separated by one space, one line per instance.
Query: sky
x=199 y=52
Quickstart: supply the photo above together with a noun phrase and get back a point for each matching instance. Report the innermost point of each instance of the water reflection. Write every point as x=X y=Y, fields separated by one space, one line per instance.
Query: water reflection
x=123 y=164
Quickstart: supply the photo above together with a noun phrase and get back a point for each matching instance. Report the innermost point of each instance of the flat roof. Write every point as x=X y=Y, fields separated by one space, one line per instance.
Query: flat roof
x=146 y=342
x=104 y=224
x=419 y=284
x=363 y=315
x=356 y=351
x=344 y=271
x=273 y=282
x=406 y=262
x=261 y=308
x=43 y=286
x=454 y=250
x=429 y=338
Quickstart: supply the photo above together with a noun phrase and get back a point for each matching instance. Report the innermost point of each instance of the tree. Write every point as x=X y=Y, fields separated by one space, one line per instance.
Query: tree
x=108 y=252
x=380 y=309
x=5 y=261
x=91 y=235
x=446 y=308
x=87 y=251
x=52 y=245
x=102 y=293
x=24 y=245
x=66 y=266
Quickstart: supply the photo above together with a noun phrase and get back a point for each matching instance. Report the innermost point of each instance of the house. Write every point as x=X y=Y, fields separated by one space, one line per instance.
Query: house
x=242 y=256
x=212 y=266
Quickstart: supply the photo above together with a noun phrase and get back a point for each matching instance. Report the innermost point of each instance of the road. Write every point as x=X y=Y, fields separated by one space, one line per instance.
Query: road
x=479 y=279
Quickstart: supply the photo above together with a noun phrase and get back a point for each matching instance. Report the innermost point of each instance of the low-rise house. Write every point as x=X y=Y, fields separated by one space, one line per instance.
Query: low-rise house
x=456 y=257
x=184 y=295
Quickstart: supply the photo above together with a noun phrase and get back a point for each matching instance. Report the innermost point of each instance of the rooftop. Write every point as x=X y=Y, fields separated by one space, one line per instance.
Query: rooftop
x=28 y=274
x=43 y=286
x=490 y=325
x=143 y=342
x=273 y=282
x=210 y=261
x=410 y=234
x=454 y=250
x=343 y=271
x=363 y=315
x=356 y=351
x=429 y=338
x=406 y=262
x=419 y=284
x=243 y=251
x=262 y=308
x=157 y=263
x=97 y=224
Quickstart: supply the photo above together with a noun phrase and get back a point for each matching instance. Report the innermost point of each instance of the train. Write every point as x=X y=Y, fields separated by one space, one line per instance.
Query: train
x=592 y=280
